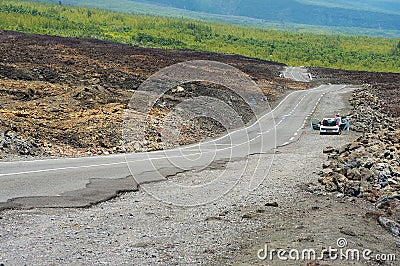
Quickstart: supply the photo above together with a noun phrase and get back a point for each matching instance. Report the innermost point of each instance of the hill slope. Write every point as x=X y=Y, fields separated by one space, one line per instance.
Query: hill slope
x=344 y=52
x=371 y=18
x=67 y=96
x=382 y=6
x=323 y=13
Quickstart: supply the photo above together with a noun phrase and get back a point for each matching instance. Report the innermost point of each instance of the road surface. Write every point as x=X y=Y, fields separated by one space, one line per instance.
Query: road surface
x=297 y=73
x=77 y=182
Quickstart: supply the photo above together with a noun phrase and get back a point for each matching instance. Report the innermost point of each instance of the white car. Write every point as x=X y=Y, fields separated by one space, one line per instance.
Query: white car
x=329 y=126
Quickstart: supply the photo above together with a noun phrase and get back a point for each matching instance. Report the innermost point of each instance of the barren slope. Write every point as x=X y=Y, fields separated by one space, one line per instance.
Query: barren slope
x=66 y=97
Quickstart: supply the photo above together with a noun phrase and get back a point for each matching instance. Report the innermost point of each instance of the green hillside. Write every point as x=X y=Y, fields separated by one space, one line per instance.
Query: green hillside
x=369 y=15
x=345 y=52
x=381 y=6
x=321 y=13
x=358 y=17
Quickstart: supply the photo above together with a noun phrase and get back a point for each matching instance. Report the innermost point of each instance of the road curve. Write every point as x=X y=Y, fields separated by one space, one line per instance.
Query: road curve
x=77 y=182
x=297 y=74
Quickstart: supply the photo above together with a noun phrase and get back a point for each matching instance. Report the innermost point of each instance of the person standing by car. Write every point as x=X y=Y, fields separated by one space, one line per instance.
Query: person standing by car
x=345 y=123
x=338 y=122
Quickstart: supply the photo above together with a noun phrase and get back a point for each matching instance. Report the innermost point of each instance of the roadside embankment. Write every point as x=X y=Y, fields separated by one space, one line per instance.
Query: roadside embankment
x=369 y=166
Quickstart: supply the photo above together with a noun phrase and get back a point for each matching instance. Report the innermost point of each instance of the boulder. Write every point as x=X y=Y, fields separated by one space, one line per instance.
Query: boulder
x=327 y=172
x=390 y=225
x=326 y=164
x=354 y=174
x=366 y=174
x=329 y=149
x=382 y=202
x=354 y=145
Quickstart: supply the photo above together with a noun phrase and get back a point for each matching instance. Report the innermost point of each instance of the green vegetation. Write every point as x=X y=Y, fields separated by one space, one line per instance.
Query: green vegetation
x=355 y=18
x=317 y=13
x=344 y=52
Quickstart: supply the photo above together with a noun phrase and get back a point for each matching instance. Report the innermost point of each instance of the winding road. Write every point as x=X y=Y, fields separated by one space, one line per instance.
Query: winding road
x=297 y=73
x=77 y=182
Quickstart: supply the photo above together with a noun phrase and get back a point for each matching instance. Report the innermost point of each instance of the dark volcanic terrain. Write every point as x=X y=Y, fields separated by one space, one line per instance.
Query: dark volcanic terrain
x=385 y=86
x=66 y=97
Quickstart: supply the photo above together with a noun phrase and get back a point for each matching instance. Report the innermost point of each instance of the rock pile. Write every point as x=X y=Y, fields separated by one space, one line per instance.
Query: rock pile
x=368 y=113
x=369 y=166
x=11 y=143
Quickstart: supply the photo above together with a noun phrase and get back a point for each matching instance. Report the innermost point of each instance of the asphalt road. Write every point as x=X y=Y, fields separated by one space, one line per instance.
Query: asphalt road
x=297 y=73
x=78 y=182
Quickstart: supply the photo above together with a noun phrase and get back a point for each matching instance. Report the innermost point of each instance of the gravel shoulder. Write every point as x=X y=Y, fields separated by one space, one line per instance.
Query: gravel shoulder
x=309 y=217
x=288 y=210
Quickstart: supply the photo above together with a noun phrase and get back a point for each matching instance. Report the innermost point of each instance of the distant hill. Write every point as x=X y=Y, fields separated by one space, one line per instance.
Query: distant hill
x=383 y=6
x=353 y=17
x=363 y=14
x=333 y=51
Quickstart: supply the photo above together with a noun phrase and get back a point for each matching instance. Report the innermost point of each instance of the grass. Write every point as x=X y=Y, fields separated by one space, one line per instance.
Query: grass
x=321 y=50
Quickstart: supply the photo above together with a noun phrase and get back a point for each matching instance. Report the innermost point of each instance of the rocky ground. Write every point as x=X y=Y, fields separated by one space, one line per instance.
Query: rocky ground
x=290 y=210
x=66 y=97
x=369 y=166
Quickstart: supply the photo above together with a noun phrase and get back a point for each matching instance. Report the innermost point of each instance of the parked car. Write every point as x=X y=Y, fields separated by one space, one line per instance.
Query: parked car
x=315 y=123
x=329 y=126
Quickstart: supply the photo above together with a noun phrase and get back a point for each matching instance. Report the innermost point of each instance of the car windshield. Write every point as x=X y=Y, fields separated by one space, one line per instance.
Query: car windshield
x=329 y=122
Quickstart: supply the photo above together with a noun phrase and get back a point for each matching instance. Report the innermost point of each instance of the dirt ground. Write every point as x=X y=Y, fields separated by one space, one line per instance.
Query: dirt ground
x=310 y=218
x=290 y=210
x=66 y=97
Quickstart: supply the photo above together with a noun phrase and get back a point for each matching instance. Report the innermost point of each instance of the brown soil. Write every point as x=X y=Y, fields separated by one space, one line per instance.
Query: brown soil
x=66 y=96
